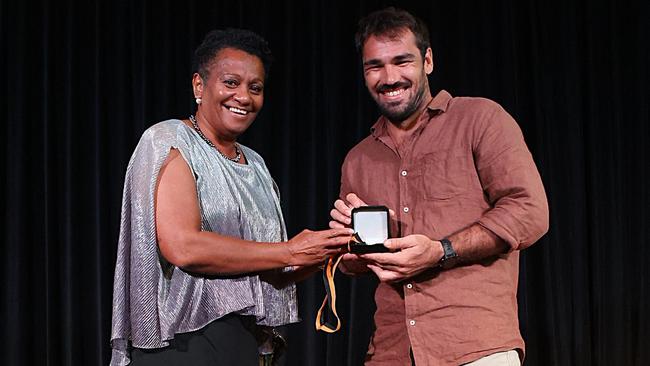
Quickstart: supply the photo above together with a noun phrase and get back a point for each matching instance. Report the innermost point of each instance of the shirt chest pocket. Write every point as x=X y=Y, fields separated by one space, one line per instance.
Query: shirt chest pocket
x=447 y=173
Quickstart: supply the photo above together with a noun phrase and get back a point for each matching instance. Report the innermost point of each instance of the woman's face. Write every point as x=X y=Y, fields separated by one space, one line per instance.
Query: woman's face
x=233 y=92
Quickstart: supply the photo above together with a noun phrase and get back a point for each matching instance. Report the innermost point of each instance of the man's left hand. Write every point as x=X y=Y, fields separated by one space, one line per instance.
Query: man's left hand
x=409 y=256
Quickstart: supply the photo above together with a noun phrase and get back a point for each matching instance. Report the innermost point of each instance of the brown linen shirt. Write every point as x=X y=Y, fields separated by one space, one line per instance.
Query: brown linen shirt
x=466 y=163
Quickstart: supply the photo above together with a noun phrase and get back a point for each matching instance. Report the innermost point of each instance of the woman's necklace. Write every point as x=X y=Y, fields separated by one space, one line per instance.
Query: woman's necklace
x=198 y=130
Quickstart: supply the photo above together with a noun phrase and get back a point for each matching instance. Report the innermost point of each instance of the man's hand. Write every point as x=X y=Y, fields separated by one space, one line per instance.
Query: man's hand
x=352 y=264
x=342 y=212
x=409 y=256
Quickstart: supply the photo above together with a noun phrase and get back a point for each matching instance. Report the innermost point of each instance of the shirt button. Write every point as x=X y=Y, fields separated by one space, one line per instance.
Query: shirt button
x=409 y=286
x=412 y=322
x=404 y=173
x=406 y=209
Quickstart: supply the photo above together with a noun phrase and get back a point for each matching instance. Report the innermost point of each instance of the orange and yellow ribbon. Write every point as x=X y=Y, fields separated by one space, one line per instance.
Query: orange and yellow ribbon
x=329 y=303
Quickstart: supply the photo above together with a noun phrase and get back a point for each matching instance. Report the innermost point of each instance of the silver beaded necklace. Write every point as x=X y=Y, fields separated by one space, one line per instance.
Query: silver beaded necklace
x=198 y=130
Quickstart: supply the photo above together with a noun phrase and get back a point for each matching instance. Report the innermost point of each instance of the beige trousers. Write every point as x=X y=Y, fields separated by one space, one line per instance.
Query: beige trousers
x=507 y=358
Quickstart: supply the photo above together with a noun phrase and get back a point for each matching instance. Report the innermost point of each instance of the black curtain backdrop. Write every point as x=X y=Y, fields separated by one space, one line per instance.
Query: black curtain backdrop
x=83 y=79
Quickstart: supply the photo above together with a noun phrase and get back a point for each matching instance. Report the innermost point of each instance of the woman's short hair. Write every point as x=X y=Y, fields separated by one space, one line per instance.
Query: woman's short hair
x=391 y=22
x=240 y=39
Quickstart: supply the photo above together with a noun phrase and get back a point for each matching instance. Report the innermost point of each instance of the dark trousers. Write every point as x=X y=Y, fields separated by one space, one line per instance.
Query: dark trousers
x=224 y=342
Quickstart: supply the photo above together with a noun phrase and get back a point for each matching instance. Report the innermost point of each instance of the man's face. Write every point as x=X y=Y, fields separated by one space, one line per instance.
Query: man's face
x=396 y=74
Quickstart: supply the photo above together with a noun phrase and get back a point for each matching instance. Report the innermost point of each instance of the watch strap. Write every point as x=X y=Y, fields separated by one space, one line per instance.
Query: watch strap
x=449 y=254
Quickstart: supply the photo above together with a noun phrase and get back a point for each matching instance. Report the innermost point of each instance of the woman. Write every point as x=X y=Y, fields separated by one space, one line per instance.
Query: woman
x=202 y=232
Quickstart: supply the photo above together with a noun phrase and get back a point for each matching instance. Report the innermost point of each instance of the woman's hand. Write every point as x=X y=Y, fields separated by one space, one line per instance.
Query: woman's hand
x=313 y=247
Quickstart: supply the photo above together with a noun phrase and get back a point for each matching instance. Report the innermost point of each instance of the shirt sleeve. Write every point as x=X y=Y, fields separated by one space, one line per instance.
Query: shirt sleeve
x=511 y=182
x=352 y=179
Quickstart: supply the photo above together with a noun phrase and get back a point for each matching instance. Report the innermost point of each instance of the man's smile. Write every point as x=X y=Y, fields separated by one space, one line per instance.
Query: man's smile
x=393 y=93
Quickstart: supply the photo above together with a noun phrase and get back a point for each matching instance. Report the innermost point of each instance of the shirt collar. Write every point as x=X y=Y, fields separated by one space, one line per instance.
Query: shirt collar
x=437 y=105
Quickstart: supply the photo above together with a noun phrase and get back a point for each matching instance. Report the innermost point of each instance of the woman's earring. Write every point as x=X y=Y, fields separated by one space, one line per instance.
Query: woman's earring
x=198 y=100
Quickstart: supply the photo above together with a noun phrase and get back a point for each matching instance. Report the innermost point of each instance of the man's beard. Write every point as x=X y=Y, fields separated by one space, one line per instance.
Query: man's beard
x=397 y=116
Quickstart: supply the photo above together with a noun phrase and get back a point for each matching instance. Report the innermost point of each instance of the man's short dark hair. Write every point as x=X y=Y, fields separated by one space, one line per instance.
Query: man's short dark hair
x=391 y=22
x=240 y=39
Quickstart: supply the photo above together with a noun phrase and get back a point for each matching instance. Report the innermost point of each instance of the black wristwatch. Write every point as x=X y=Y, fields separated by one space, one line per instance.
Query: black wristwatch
x=450 y=257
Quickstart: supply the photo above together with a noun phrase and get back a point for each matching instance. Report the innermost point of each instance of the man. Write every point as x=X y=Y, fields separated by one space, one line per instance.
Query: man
x=465 y=197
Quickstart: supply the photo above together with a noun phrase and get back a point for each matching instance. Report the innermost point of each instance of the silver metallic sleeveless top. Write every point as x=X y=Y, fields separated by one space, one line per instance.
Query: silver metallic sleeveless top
x=152 y=299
